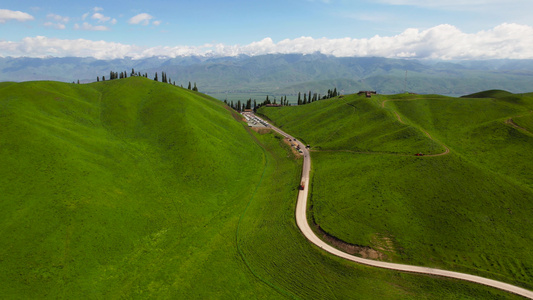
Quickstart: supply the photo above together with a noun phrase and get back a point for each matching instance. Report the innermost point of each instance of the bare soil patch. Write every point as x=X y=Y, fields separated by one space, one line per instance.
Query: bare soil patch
x=261 y=130
x=362 y=251
x=512 y=123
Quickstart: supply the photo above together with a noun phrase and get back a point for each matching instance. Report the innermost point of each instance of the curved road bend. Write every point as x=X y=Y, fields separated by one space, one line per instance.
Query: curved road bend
x=301 y=221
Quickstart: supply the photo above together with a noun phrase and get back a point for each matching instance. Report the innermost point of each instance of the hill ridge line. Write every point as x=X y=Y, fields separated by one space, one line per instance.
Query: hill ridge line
x=446 y=149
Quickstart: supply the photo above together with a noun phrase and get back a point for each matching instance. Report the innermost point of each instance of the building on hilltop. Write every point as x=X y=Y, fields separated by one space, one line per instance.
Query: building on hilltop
x=368 y=94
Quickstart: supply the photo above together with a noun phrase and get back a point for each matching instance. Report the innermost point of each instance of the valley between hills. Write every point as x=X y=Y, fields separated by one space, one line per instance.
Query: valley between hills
x=132 y=188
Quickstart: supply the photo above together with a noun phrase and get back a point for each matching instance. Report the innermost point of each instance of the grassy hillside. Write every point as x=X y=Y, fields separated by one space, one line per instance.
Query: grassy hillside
x=525 y=122
x=489 y=94
x=467 y=211
x=114 y=188
x=137 y=189
x=352 y=123
x=277 y=252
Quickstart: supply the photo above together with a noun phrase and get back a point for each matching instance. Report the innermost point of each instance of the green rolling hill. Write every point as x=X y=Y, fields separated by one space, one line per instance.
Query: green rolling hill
x=101 y=194
x=468 y=210
x=133 y=188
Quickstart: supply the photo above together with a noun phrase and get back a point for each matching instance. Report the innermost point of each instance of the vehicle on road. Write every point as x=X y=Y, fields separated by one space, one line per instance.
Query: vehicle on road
x=302 y=186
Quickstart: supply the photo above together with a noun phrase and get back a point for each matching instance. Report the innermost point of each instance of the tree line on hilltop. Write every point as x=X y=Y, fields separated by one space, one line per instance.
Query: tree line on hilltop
x=307 y=98
x=164 y=78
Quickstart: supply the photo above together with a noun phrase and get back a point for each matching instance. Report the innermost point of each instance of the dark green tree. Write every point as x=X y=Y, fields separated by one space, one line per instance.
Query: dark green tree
x=195 y=88
x=155 y=78
x=189 y=86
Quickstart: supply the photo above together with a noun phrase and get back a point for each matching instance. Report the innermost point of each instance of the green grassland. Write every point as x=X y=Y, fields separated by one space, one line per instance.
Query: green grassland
x=278 y=254
x=133 y=188
x=101 y=194
x=525 y=122
x=467 y=211
x=353 y=124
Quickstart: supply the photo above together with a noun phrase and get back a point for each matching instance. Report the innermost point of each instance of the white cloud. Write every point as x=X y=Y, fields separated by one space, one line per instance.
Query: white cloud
x=143 y=19
x=101 y=18
x=90 y=27
x=58 y=18
x=156 y=23
x=58 y=22
x=41 y=46
x=55 y=25
x=6 y=15
x=441 y=42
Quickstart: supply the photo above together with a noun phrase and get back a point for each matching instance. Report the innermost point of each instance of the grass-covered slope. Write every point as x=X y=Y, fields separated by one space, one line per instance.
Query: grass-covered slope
x=525 y=122
x=137 y=189
x=280 y=255
x=467 y=211
x=121 y=188
x=489 y=94
x=351 y=123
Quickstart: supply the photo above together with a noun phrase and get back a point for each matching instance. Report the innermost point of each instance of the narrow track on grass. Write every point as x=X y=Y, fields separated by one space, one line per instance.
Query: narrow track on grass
x=513 y=124
x=446 y=149
x=278 y=289
x=305 y=228
x=407 y=99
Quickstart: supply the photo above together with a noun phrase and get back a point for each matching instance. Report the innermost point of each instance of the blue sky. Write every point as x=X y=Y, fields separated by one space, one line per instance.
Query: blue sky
x=149 y=27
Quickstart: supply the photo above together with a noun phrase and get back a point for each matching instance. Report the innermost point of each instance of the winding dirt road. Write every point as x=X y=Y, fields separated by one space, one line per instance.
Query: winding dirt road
x=301 y=220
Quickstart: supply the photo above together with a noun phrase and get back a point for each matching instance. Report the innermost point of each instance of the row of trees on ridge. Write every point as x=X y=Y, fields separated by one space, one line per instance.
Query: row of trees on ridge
x=164 y=78
x=307 y=98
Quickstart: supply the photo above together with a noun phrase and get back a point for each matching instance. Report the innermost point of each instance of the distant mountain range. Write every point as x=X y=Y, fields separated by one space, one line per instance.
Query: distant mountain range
x=244 y=77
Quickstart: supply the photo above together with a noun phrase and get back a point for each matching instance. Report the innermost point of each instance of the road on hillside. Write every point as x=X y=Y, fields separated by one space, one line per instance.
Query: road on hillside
x=301 y=221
